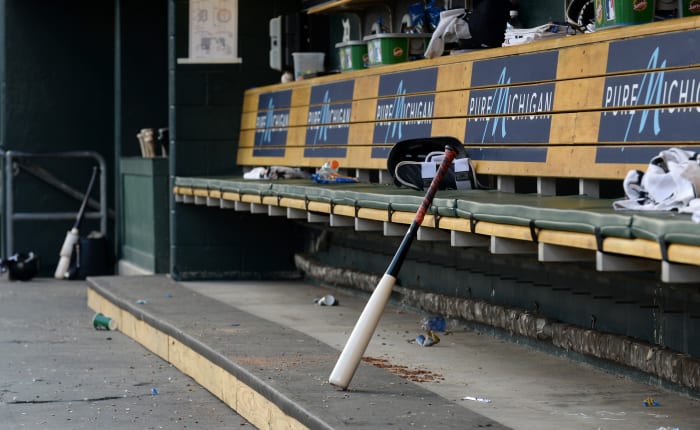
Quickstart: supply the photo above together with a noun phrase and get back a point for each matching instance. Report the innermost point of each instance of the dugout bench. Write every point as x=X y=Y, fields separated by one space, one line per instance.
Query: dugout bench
x=553 y=126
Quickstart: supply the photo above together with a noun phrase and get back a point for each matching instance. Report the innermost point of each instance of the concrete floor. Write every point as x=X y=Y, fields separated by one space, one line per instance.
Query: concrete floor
x=526 y=387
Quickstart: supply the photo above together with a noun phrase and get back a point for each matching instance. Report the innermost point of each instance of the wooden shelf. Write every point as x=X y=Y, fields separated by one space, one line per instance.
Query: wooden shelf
x=337 y=6
x=209 y=60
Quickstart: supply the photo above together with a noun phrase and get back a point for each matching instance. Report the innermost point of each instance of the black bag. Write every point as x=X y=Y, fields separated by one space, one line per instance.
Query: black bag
x=413 y=163
x=487 y=24
x=91 y=257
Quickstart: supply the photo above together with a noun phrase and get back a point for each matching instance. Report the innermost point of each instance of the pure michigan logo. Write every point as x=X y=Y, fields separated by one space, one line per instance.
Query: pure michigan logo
x=652 y=95
x=506 y=108
x=271 y=124
x=494 y=113
x=405 y=108
x=416 y=111
x=677 y=90
x=328 y=122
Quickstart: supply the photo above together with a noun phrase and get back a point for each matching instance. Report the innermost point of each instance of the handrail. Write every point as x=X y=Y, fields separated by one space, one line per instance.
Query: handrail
x=11 y=216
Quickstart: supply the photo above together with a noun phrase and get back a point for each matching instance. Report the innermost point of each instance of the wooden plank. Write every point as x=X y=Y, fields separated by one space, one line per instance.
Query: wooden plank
x=567 y=238
x=682 y=253
x=289 y=202
x=251 y=198
x=323 y=207
x=635 y=247
x=228 y=195
x=503 y=230
x=582 y=60
x=451 y=104
x=250 y=102
x=191 y=363
x=152 y=339
x=253 y=407
x=200 y=192
x=454 y=76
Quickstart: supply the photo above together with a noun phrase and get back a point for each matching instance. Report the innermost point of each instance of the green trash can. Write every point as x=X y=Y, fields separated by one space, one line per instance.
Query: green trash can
x=616 y=13
x=690 y=8
x=392 y=48
x=352 y=55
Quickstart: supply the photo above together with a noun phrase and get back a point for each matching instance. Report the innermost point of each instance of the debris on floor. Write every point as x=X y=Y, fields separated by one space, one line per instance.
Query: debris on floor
x=477 y=399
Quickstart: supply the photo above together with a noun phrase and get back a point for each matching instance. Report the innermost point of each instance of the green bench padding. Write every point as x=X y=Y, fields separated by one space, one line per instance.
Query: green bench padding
x=565 y=213
x=669 y=227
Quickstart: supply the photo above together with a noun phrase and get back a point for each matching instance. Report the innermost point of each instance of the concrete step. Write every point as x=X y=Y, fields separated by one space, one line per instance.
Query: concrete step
x=271 y=374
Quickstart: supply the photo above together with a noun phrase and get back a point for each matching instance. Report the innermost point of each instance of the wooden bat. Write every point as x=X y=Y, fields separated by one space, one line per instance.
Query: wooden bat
x=357 y=343
x=73 y=234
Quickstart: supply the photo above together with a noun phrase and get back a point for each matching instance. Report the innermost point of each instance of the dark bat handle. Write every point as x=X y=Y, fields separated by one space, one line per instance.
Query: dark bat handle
x=397 y=261
x=83 y=205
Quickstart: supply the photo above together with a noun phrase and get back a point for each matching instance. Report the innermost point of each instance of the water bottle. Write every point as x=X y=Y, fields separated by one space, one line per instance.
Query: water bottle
x=328 y=170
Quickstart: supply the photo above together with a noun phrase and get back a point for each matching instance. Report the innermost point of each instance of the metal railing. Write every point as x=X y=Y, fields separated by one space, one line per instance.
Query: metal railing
x=11 y=216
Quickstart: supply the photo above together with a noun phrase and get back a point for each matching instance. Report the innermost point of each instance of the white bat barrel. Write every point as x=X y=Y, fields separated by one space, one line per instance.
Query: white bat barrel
x=357 y=343
x=65 y=254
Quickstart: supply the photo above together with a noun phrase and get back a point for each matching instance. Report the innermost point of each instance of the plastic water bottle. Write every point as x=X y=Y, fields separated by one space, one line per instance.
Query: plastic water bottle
x=328 y=169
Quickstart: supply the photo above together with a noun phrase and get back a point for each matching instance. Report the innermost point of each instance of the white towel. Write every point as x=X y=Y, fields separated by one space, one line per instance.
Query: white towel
x=671 y=182
x=451 y=28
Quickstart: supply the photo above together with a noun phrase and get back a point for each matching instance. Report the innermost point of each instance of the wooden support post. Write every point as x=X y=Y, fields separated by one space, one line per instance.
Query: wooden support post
x=317 y=218
x=293 y=213
x=394 y=229
x=362 y=175
x=368 y=225
x=605 y=262
x=501 y=245
x=213 y=202
x=505 y=184
x=276 y=211
x=241 y=207
x=546 y=186
x=589 y=187
x=385 y=177
x=674 y=272
x=342 y=221
x=468 y=240
x=430 y=234
x=188 y=199
x=547 y=253
x=256 y=208
x=227 y=204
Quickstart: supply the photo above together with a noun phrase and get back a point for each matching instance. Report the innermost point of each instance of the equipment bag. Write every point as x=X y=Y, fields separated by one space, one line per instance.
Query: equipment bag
x=413 y=163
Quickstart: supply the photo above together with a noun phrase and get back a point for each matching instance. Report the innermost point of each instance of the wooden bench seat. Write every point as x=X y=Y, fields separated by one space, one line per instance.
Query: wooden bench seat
x=553 y=126
x=549 y=226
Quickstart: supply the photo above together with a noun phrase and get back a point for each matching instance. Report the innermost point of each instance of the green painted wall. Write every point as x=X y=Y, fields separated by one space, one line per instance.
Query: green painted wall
x=205 y=111
x=57 y=95
x=141 y=96
x=145 y=213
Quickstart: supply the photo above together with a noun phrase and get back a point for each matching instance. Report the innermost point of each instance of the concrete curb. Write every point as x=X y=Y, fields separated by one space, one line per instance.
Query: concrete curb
x=203 y=364
x=247 y=368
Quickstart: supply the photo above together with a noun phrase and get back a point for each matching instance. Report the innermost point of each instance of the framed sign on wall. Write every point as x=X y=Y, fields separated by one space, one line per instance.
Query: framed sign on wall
x=213 y=32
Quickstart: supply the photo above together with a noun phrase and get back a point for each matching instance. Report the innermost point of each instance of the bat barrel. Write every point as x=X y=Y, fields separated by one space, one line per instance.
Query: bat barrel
x=358 y=341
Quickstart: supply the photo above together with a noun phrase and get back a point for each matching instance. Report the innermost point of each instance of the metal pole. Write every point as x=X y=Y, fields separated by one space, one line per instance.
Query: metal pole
x=9 y=194
x=9 y=208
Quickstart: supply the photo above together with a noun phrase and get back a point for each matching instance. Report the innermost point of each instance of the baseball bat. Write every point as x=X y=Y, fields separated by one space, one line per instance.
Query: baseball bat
x=73 y=234
x=366 y=324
